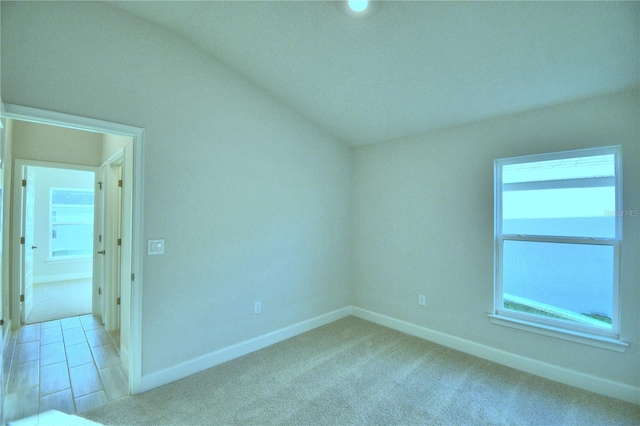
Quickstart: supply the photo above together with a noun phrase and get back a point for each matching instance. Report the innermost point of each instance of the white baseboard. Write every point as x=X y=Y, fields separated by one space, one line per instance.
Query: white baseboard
x=552 y=372
x=42 y=279
x=212 y=359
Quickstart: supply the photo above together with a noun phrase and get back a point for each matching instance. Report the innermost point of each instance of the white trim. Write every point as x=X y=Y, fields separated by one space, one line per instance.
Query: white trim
x=552 y=372
x=212 y=359
x=561 y=333
x=36 y=115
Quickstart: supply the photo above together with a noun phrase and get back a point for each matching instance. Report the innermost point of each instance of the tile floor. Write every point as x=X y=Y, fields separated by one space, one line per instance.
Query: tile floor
x=70 y=365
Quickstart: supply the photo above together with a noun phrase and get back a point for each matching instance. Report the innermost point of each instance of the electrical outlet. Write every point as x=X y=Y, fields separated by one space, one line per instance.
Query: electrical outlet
x=422 y=300
x=258 y=308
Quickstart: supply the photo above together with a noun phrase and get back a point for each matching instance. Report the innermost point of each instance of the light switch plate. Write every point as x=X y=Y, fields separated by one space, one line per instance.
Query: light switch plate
x=155 y=247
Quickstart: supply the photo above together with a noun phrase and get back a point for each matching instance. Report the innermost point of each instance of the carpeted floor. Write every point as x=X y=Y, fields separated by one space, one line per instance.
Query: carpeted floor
x=356 y=372
x=60 y=299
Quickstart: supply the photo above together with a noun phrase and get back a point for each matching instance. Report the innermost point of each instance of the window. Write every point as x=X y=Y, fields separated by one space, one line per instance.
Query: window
x=71 y=223
x=558 y=223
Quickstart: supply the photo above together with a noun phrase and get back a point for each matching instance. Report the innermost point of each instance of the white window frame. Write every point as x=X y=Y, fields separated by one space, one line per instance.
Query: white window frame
x=587 y=334
x=51 y=257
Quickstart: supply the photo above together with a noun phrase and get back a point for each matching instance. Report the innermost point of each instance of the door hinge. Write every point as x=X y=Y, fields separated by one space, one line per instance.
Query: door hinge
x=22 y=297
x=99 y=185
x=21 y=240
x=2 y=321
x=118 y=301
x=119 y=241
x=99 y=238
x=99 y=291
x=24 y=182
x=133 y=277
x=120 y=183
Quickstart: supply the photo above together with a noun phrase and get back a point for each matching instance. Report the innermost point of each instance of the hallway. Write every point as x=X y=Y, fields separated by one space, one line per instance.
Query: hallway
x=70 y=365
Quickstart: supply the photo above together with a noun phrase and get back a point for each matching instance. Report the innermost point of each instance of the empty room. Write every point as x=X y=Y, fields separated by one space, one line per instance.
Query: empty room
x=341 y=212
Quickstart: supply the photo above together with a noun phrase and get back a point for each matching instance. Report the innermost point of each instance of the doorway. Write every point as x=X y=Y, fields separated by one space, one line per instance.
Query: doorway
x=59 y=217
x=60 y=230
x=131 y=216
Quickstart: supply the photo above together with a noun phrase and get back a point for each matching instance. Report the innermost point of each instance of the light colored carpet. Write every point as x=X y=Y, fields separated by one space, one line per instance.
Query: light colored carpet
x=356 y=372
x=60 y=299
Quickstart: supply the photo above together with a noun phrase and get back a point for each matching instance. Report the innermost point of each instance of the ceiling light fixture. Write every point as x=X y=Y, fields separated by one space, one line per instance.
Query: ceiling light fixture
x=358 y=5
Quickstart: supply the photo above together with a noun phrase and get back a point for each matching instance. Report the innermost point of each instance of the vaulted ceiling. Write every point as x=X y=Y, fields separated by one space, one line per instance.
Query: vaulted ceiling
x=404 y=68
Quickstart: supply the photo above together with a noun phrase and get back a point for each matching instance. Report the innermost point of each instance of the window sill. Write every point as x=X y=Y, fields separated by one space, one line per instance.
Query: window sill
x=574 y=336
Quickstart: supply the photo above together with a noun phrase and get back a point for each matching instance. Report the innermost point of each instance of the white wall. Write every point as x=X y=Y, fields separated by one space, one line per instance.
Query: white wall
x=44 y=268
x=6 y=229
x=423 y=223
x=252 y=199
x=33 y=141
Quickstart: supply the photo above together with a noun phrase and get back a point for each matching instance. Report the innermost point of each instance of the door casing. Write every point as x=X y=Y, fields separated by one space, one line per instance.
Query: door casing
x=133 y=262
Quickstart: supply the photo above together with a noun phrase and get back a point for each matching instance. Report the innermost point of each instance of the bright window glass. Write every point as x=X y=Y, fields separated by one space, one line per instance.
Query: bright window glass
x=571 y=282
x=557 y=239
x=71 y=223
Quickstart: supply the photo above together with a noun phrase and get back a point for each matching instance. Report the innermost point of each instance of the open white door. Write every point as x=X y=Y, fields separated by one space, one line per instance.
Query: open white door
x=118 y=254
x=112 y=244
x=27 y=242
x=99 y=246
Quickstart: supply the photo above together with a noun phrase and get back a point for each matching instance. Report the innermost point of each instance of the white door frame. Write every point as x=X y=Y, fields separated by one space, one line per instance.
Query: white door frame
x=88 y=124
x=97 y=307
x=4 y=326
x=23 y=274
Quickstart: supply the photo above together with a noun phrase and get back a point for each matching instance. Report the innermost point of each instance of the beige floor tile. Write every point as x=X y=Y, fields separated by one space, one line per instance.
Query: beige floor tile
x=25 y=352
x=8 y=356
x=52 y=353
x=105 y=356
x=24 y=376
x=115 y=381
x=71 y=322
x=29 y=333
x=90 y=401
x=97 y=337
x=19 y=405
x=50 y=335
x=78 y=355
x=90 y=322
x=49 y=324
x=53 y=367
x=84 y=380
x=61 y=401
x=115 y=338
x=54 y=378
x=73 y=336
